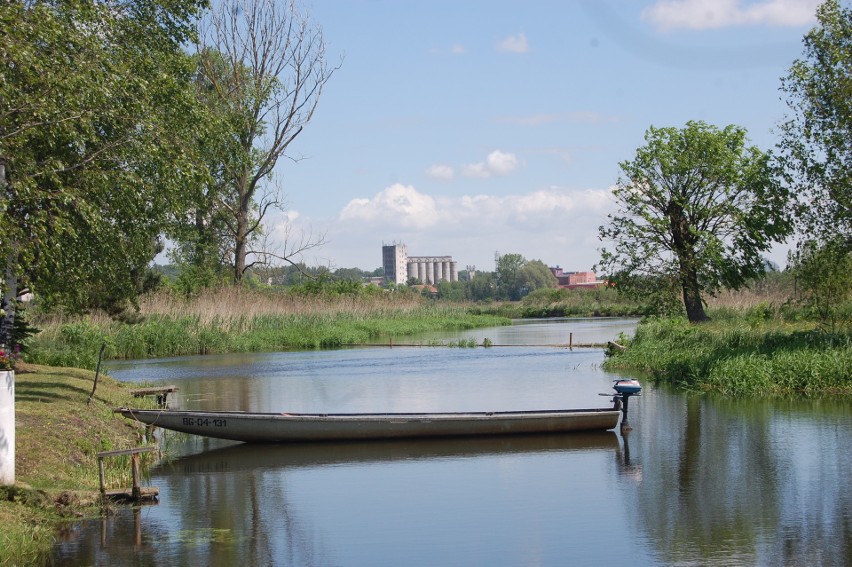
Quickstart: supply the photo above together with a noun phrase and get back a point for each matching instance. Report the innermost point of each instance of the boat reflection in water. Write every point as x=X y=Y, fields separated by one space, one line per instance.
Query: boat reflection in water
x=252 y=457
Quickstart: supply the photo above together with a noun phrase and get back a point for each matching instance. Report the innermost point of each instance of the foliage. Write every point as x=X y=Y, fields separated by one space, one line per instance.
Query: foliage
x=483 y=286
x=237 y=319
x=8 y=357
x=516 y=276
x=817 y=162
x=815 y=148
x=95 y=111
x=824 y=278
x=697 y=206
x=598 y=302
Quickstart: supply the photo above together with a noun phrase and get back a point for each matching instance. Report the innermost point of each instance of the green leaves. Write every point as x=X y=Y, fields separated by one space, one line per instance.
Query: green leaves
x=816 y=148
x=95 y=112
x=697 y=206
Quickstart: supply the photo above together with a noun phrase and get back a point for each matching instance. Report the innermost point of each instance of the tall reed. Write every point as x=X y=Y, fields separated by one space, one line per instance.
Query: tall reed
x=241 y=320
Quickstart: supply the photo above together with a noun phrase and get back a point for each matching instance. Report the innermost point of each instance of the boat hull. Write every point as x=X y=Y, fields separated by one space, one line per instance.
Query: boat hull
x=279 y=428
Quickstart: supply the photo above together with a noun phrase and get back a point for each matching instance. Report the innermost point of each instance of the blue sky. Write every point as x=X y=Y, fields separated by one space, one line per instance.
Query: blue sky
x=471 y=127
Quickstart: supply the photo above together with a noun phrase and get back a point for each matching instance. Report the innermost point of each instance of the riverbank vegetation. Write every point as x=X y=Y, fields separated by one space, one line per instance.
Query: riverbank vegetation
x=58 y=436
x=756 y=353
x=559 y=302
x=240 y=319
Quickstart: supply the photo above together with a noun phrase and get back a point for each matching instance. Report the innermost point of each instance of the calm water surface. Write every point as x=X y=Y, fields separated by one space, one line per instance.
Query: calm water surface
x=698 y=481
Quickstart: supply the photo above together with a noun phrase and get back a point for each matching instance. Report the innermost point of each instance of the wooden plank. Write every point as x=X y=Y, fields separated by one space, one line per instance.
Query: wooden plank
x=134 y=451
x=145 y=493
x=139 y=392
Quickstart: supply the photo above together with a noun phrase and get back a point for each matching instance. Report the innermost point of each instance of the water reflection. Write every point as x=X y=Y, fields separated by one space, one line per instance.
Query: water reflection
x=252 y=458
x=743 y=482
x=698 y=481
x=376 y=503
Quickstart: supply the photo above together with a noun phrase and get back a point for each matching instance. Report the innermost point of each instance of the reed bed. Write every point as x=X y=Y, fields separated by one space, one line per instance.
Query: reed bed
x=240 y=320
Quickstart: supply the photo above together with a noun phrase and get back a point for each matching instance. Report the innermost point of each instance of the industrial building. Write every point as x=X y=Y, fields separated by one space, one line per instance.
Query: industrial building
x=574 y=280
x=399 y=267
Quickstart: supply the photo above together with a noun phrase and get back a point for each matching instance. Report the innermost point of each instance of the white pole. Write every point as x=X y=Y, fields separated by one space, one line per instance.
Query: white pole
x=7 y=427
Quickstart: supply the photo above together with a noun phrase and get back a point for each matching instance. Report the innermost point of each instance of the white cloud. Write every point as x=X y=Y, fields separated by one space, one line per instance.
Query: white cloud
x=555 y=225
x=704 y=14
x=497 y=163
x=457 y=49
x=403 y=206
x=441 y=172
x=514 y=44
x=396 y=204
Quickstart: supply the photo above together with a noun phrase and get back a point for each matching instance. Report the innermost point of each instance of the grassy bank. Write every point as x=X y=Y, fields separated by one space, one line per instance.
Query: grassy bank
x=58 y=437
x=741 y=355
x=242 y=320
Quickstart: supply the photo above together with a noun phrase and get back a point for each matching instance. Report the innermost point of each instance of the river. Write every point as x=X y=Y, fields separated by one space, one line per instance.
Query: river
x=697 y=481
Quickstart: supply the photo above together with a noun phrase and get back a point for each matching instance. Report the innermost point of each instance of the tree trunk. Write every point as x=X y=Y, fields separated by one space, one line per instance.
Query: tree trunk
x=684 y=248
x=239 y=258
x=692 y=300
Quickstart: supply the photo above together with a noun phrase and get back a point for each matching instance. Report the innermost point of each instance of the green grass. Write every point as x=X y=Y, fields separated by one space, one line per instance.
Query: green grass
x=58 y=436
x=741 y=357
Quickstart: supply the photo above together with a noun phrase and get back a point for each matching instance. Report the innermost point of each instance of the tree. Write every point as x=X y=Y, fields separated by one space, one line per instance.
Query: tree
x=535 y=275
x=483 y=286
x=94 y=107
x=264 y=65
x=816 y=159
x=507 y=268
x=516 y=276
x=816 y=146
x=824 y=275
x=697 y=207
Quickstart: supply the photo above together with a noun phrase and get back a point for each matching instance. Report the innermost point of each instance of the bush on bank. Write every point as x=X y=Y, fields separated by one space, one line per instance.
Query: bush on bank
x=740 y=356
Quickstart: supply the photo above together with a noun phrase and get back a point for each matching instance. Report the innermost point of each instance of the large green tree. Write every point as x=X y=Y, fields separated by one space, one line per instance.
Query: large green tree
x=94 y=107
x=697 y=207
x=517 y=276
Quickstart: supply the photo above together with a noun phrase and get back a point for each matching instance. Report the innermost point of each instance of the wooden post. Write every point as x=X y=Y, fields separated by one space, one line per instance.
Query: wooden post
x=134 y=464
x=101 y=475
x=571 y=341
x=136 y=492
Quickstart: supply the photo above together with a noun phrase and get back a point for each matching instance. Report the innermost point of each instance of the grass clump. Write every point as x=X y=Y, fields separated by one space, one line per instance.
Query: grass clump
x=752 y=355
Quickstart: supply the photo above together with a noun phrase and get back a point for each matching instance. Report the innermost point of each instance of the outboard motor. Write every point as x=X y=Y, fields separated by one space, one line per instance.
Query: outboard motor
x=624 y=388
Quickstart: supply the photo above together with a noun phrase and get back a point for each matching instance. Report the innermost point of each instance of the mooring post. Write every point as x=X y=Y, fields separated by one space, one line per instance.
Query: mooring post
x=101 y=475
x=134 y=461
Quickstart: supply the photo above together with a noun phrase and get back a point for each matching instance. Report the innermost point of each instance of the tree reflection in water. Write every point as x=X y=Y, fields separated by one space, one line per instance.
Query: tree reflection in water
x=742 y=482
